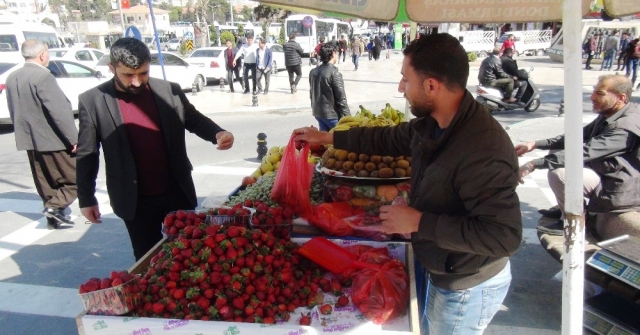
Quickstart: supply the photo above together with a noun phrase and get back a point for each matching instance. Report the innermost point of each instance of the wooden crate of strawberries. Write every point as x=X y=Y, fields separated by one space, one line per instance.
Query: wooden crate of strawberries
x=288 y=292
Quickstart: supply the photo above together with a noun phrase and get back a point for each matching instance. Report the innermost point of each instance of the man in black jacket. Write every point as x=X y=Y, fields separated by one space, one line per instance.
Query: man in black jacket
x=328 y=99
x=510 y=67
x=491 y=74
x=229 y=55
x=293 y=61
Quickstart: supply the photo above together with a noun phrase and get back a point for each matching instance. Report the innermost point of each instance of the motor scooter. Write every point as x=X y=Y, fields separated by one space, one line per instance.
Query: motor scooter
x=491 y=98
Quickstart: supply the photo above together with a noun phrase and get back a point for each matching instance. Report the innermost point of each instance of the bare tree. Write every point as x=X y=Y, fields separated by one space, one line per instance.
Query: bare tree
x=201 y=7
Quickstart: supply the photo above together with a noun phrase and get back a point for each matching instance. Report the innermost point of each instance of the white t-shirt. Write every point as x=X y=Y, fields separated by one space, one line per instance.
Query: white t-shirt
x=249 y=53
x=262 y=63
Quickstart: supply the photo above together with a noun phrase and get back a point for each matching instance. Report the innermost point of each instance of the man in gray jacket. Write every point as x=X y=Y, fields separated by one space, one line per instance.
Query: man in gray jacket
x=464 y=214
x=44 y=127
x=610 y=175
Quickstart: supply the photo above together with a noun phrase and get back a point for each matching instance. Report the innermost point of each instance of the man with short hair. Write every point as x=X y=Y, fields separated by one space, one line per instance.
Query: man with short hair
x=610 y=152
x=591 y=47
x=328 y=98
x=264 y=62
x=44 y=127
x=491 y=74
x=357 y=48
x=510 y=67
x=464 y=214
x=229 y=55
x=622 y=58
x=139 y=123
x=293 y=60
x=248 y=52
x=342 y=44
x=610 y=49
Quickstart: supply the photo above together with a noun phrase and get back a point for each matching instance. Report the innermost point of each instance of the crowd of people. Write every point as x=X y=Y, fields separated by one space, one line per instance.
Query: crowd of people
x=613 y=46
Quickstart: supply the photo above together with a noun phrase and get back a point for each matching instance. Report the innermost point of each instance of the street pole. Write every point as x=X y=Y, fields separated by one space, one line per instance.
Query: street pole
x=121 y=17
x=231 y=10
x=77 y=34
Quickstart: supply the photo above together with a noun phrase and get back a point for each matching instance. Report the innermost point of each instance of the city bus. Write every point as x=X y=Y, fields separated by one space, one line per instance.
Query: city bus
x=330 y=28
x=12 y=35
x=306 y=37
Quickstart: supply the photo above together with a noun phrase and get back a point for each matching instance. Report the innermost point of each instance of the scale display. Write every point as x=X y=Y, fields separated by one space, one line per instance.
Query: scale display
x=607 y=314
x=620 y=258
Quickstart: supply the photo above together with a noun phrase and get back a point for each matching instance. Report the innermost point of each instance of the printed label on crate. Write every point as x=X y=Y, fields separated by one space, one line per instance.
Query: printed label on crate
x=141 y=331
x=172 y=324
x=231 y=331
x=298 y=332
x=100 y=325
x=130 y=318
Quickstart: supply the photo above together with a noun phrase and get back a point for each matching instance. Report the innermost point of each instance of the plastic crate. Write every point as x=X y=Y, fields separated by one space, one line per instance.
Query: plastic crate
x=116 y=300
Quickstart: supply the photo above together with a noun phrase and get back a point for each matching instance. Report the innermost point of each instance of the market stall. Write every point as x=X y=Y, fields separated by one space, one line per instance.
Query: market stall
x=260 y=262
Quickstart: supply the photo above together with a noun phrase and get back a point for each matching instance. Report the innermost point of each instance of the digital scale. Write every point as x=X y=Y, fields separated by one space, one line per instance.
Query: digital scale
x=608 y=314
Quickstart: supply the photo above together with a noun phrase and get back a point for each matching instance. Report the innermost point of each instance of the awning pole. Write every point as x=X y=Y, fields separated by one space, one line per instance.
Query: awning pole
x=574 y=224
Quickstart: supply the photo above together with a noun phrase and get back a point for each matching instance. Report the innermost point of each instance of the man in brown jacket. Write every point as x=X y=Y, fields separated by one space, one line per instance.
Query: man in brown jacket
x=357 y=48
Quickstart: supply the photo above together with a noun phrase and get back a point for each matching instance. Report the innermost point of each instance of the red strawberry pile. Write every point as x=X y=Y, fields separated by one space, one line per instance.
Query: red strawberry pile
x=276 y=220
x=115 y=295
x=231 y=274
x=191 y=224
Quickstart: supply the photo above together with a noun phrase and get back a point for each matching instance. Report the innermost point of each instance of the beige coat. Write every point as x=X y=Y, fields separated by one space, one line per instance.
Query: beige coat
x=357 y=47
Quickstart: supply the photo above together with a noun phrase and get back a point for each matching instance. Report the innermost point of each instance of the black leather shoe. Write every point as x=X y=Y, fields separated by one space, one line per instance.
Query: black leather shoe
x=265 y=92
x=553 y=212
x=52 y=224
x=246 y=92
x=555 y=228
x=56 y=214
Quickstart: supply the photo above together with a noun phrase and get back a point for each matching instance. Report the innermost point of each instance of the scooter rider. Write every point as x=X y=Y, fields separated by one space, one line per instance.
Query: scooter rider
x=510 y=67
x=491 y=74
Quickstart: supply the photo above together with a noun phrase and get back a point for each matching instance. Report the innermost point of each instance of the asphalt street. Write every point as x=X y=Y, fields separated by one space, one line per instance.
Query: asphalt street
x=41 y=269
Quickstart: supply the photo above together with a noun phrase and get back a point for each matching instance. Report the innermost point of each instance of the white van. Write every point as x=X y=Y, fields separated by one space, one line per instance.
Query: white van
x=12 y=35
x=528 y=42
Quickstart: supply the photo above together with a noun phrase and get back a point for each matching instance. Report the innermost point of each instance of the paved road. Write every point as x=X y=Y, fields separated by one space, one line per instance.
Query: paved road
x=41 y=269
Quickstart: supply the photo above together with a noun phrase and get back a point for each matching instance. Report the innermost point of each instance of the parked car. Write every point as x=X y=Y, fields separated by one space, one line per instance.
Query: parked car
x=171 y=45
x=277 y=56
x=176 y=69
x=73 y=78
x=210 y=61
x=85 y=56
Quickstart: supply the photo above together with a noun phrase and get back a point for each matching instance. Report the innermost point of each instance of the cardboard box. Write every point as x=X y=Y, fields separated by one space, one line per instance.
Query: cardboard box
x=347 y=320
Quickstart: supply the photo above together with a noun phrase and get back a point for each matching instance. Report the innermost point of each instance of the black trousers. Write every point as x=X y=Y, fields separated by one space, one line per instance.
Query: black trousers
x=249 y=67
x=589 y=58
x=522 y=86
x=145 y=230
x=54 y=175
x=297 y=69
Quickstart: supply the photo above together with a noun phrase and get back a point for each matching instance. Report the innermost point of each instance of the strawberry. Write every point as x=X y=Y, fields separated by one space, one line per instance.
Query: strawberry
x=158 y=308
x=105 y=283
x=238 y=303
x=181 y=215
x=169 y=219
x=343 y=300
x=305 y=319
x=269 y=320
x=116 y=282
x=326 y=309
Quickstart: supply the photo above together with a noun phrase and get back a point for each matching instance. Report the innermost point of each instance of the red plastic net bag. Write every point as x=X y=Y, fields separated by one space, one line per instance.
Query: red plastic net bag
x=382 y=294
x=293 y=180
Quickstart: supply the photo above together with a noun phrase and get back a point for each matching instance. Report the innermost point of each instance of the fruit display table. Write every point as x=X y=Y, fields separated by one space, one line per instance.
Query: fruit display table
x=345 y=320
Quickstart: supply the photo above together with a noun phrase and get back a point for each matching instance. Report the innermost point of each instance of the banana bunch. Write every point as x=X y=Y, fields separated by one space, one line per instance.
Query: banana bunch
x=393 y=114
x=365 y=118
x=365 y=112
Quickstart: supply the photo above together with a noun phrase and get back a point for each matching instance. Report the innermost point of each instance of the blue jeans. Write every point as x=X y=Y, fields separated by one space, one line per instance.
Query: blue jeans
x=608 y=59
x=632 y=65
x=326 y=124
x=459 y=312
x=354 y=59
